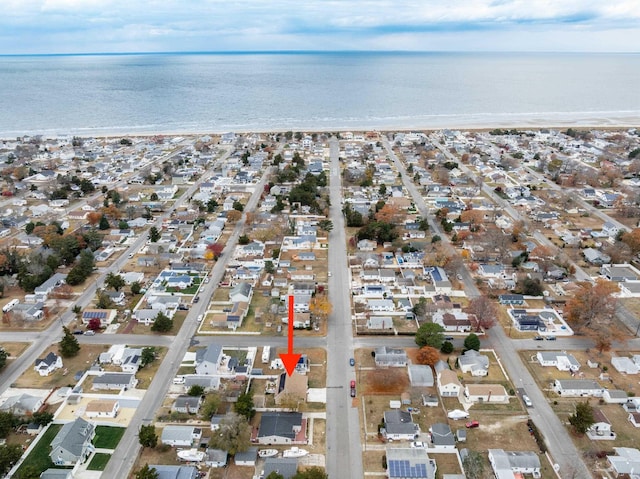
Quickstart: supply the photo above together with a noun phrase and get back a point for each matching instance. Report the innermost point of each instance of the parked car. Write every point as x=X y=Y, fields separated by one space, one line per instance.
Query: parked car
x=353 y=388
x=78 y=332
x=90 y=332
x=538 y=338
x=352 y=362
x=449 y=338
x=551 y=338
x=527 y=402
x=200 y=318
x=417 y=445
x=471 y=424
x=196 y=299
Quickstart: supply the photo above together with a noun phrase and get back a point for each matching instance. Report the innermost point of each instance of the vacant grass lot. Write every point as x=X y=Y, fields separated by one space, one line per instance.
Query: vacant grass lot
x=99 y=461
x=107 y=437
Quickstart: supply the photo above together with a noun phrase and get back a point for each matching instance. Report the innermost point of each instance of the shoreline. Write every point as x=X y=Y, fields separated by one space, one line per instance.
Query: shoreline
x=591 y=123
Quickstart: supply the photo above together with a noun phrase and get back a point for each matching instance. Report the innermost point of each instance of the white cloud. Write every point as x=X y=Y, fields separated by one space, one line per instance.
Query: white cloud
x=77 y=25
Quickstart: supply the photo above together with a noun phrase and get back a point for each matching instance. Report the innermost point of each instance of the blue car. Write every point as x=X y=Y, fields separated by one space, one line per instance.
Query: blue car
x=352 y=362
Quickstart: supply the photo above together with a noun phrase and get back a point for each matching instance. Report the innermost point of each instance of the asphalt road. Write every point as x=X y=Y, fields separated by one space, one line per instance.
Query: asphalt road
x=344 y=448
x=559 y=443
x=123 y=458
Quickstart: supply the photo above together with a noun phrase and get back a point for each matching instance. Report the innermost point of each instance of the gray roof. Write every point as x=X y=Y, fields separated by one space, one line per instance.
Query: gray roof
x=578 y=384
x=73 y=436
x=441 y=435
x=56 y=474
x=172 y=433
x=286 y=466
x=175 y=472
x=515 y=459
x=210 y=354
x=113 y=378
x=421 y=375
x=473 y=358
x=399 y=422
x=250 y=454
x=279 y=424
x=404 y=462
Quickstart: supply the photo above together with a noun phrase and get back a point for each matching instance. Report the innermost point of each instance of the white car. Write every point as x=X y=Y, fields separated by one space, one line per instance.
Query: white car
x=329 y=274
x=527 y=401
x=206 y=280
x=417 y=445
x=200 y=318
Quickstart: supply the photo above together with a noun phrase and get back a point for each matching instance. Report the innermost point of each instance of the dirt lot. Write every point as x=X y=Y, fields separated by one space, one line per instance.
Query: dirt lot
x=146 y=374
x=14 y=349
x=61 y=377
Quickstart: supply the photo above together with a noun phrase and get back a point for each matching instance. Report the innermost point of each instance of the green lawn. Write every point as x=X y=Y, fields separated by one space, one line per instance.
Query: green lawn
x=108 y=437
x=38 y=458
x=99 y=461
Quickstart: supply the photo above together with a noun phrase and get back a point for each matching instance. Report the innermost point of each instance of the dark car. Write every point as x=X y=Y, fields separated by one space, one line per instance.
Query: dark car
x=449 y=338
x=538 y=338
x=196 y=299
x=551 y=338
x=352 y=362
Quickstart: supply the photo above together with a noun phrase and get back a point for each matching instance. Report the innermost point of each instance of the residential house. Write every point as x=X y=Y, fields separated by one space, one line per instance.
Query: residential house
x=41 y=292
x=57 y=474
x=241 y=292
x=511 y=299
x=175 y=472
x=106 y=316
x=384 y=305
x=367 y=245
x=442 y=436
x=601 y=427
x=624 y=365
x=491 y=393
x=610 y=229
x=100 y=408
x=420 y=375
x=634 y=418
x=405 y=463
x=390 y=357
x=208 y=359
x=281 y=428
x=399 y=426
x=471 y=361
x=626 y=462
x=453 y=320
x=594 y=256
x=615 y=396
x=513 y=464
x=72 y=444
x=187 y=404
x=183 y=436
x=48 y=364
x=294 y=386
x=578 y=388
x=287 y=467
x=246 y=458
x=115 y=381
x=448 y=384
x=560 y=359
x=215 y=457
x=22 y=404
x=380 y=322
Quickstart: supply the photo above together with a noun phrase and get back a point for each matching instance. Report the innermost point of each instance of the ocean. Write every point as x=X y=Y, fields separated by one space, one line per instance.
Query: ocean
x=181 y=93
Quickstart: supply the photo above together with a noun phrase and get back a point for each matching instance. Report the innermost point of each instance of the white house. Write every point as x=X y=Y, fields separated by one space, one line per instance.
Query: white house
x=506 y=464
x=601 y=428
x=448 y=384
x=48 y=364
x=489 y=393
x=559 y=359
x=102 y=408
x=624 y=365
x=473 y=362
x=578 y=388
x=180 y=435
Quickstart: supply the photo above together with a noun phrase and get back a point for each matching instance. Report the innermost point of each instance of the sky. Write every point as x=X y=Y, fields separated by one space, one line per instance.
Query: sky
x=106 y=26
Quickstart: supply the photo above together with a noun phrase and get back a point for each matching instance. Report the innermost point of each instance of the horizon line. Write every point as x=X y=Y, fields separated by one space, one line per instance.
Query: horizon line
x=314 y=52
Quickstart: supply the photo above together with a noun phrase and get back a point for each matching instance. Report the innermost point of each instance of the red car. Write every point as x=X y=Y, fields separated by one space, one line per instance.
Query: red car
x=353 y=389
x=472 y=424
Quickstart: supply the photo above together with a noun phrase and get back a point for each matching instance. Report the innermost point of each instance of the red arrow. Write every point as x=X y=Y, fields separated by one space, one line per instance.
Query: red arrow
x=289 y=359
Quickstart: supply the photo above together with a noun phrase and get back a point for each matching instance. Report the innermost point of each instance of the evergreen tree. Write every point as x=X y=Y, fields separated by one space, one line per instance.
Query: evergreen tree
x=147 y=473
x=147 y=436
x=472 y=342
x=104 y=223
x=68 y=347
x=162 y=323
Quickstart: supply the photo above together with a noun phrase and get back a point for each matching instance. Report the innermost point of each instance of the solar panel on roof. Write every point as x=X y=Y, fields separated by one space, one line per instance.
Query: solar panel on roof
x=95 y=314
